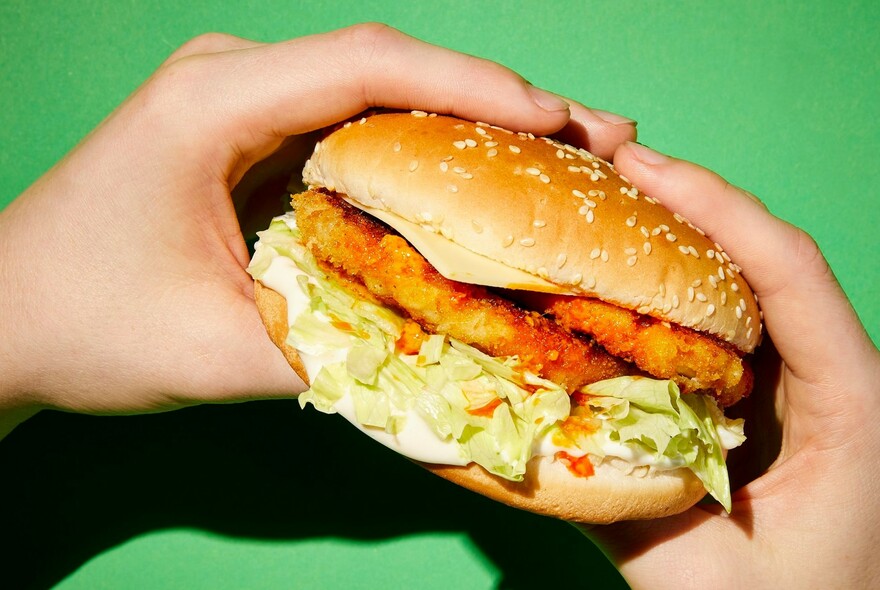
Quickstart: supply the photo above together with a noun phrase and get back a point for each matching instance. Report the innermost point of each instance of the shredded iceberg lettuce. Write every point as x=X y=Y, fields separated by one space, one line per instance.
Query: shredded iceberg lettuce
x=493 y=409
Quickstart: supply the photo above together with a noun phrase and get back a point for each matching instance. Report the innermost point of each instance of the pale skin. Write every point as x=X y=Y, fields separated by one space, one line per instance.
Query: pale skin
x=124 y=288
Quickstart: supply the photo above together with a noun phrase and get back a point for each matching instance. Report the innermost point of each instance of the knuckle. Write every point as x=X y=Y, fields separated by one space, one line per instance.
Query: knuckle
x=366 y=42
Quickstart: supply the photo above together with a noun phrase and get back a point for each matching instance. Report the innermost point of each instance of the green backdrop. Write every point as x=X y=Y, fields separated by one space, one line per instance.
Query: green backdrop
x=781 y=98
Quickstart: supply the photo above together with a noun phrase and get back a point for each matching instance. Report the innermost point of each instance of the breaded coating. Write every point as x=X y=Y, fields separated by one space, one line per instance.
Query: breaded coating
x=693 y=360
x=394 y=272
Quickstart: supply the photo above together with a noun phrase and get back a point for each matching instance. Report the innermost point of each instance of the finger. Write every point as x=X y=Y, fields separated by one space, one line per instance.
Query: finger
x=210 y=43
x=290 y=88
x=810 y=319
x=598 y=131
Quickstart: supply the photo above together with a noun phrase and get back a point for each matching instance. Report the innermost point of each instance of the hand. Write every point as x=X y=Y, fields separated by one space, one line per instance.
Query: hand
x=124 y=287
x=812 y=520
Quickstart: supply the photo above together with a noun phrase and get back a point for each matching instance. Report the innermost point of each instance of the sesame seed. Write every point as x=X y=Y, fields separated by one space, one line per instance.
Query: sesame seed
x=527 y=242
x=459 y=169
x=514 y=149
x=749 y=333
x=574 y=169
x=710 y=310
x=589 y=203
x=702 y=297
x=748 y=320
x=492 y=153
x=470 y=142
x=742 y=304
x=560 y=154
x=724 y=298
x=675 y=301
x=656 y=232
x=419 y=114
x=467 y=175
x=362 y=121
x=734 y=287
x=476 y=225
x=578 y=194
x=533 y=171
x=459 y=144
x=545 y=179
x=670 y=236
x=693 y=252
x=490 y=144
x=604 y=255
x=691 y=293
x=561 y=260
x=662 y=289
x=595 y=253
x=576 y=278
x=696 y=283
x=710 y=253
x=444 y=166
x=645 y=231
x=427 y=217
x=590 y=216
x=508 y=240
x=448 y=158
x=452 y=188
x=631 y=221
x=542 y=272
x=413 y=165
x=591 y=282
x=721 y=273
x=446 y=232
x=539 y=223
x=713 y=281
x=396 y=147
x=480 y=130
x=684 y=250
x=739 y=313
x=630 y=251
x=631 y=261
x=646 y=247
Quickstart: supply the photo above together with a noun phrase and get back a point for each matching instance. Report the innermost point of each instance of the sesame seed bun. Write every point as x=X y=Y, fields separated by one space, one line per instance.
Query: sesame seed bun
x=549 y=209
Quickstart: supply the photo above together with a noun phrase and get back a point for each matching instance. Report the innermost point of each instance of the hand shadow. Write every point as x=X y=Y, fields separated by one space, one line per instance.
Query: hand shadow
x=76 y=486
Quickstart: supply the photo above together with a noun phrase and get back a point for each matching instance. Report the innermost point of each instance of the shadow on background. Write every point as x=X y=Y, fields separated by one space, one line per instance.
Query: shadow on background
x=74 y=486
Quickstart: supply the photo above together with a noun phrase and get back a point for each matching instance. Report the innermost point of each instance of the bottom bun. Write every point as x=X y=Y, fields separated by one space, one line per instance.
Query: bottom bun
x=273 y=311
x=612 y=493
x=609 y=495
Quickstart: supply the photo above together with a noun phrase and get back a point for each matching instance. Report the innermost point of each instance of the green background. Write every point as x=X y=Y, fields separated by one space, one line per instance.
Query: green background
x=781 y=98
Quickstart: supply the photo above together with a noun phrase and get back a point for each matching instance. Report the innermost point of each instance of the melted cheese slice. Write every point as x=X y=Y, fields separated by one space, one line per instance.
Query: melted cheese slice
x=457 y=263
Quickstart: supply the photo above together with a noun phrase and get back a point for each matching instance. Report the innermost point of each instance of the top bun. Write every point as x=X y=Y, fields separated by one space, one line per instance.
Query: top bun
x=541 y=206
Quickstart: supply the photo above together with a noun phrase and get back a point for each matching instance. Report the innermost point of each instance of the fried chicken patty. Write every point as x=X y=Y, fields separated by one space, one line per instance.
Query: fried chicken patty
x=394 y=272
x=693 y=360
x=572 y=341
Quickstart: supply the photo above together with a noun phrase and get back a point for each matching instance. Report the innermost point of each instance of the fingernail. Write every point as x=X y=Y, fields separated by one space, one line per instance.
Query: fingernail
x=613 y=118
x=646 y=154
x=547 y=100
